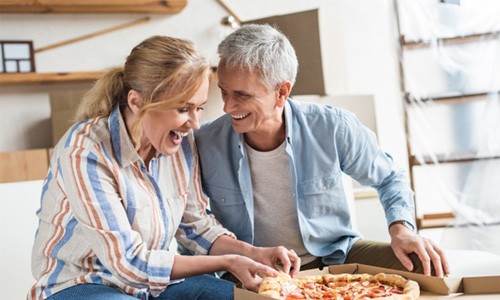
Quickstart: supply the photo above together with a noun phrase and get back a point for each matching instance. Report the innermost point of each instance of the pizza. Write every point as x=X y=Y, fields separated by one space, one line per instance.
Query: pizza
x=340 y=287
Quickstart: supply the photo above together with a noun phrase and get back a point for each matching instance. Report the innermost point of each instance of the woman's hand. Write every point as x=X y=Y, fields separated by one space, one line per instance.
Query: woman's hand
x=248 y=270
x=278 y=255
x=269 y=256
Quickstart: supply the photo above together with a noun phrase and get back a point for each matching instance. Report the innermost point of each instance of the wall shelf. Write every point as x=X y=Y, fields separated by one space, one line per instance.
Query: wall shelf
x=46 y=78
x=92 y=6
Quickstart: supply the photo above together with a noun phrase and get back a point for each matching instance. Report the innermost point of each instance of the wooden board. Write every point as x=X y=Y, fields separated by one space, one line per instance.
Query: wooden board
x=92 y=6
x=24 y=165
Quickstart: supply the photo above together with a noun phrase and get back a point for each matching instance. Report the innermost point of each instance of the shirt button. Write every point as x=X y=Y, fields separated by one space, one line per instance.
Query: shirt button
x=325 y=187
x=222 y=199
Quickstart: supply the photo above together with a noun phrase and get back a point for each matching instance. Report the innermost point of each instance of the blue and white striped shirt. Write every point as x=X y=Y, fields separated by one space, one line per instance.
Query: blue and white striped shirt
x=106 y=219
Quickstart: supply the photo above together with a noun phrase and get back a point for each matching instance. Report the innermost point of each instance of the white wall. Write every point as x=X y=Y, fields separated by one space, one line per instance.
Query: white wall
x=363 y=61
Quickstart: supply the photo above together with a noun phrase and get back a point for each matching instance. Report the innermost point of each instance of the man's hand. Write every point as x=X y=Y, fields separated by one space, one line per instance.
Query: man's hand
x=278 y=255
x=404 y=241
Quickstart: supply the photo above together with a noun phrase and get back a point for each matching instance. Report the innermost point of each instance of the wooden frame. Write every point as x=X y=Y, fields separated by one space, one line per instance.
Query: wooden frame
x=17 y=60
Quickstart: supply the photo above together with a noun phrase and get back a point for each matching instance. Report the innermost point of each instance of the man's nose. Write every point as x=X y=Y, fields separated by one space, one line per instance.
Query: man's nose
x=228 y=104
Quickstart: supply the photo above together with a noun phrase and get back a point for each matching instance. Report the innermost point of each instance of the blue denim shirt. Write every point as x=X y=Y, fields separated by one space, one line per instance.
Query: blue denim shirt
x=321 y=143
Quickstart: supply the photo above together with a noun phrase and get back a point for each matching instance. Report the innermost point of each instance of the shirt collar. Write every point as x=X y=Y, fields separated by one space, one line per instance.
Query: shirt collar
x=122 y=144
x=288 y=121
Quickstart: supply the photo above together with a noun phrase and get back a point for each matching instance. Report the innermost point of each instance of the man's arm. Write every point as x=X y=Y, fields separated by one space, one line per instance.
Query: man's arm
x=366 y=162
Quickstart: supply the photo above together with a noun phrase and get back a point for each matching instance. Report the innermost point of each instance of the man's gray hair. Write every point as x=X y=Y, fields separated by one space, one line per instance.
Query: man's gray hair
x=260 y=48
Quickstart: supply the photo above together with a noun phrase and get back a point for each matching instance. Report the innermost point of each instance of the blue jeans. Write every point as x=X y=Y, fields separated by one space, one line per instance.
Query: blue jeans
x=203 y=287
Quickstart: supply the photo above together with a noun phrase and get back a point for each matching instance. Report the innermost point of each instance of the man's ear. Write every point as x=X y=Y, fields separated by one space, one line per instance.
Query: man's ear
x=283 y=93
x=134 y=101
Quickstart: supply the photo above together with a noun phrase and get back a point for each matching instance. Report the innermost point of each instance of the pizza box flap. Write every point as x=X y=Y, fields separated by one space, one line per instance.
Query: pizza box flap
x=443 y=286
x=481 y=285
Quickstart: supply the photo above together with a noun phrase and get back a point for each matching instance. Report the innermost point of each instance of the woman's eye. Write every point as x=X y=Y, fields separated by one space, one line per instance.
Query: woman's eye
x=183 y=110
x=200 y=108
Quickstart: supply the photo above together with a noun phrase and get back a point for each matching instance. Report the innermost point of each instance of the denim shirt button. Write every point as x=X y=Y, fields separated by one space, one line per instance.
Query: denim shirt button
x=325 y=187
x=222 y=199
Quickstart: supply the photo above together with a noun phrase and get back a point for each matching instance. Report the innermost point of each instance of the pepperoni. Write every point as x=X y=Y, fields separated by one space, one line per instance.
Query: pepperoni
x=295 y=295
x=309 y=285
x=337 y=284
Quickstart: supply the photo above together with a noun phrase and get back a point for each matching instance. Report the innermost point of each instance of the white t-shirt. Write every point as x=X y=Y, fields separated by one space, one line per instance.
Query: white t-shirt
x=275 y=210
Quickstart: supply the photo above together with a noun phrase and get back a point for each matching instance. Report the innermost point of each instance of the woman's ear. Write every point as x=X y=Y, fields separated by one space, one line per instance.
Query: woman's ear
x=283 y=93
x=134 y=101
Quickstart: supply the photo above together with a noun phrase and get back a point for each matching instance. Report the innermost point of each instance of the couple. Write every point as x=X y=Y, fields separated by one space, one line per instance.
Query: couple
x=129 y=180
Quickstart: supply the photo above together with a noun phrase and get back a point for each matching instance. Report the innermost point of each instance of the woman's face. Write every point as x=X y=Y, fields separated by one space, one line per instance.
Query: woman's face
x=165 y=129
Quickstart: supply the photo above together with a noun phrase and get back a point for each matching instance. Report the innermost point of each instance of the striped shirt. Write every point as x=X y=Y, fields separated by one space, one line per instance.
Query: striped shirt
x=106 y=218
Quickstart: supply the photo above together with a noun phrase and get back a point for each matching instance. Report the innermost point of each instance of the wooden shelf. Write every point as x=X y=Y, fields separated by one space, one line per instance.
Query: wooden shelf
x=46 y=78
x=92 y=6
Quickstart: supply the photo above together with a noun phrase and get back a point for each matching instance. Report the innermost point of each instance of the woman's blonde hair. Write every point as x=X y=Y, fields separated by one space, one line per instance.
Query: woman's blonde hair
x=165 y=71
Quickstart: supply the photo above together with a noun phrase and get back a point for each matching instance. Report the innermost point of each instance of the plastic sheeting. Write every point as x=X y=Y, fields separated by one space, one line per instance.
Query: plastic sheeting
x=455 y=128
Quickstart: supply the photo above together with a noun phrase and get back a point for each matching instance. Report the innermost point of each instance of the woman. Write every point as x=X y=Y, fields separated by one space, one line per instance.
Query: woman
x=124 y=181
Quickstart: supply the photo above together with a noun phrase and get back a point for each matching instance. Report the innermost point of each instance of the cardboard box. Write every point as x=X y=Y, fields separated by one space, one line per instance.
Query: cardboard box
x=482 y=288
x=311 y=34
x=24 y=165
x=63 y=106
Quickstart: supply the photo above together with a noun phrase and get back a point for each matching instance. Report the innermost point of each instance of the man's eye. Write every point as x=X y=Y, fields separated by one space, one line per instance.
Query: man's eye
x=242 y=96
x=183 y=110
x=199 y=108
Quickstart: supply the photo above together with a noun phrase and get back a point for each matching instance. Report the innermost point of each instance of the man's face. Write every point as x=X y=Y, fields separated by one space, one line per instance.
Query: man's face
x=251 y=105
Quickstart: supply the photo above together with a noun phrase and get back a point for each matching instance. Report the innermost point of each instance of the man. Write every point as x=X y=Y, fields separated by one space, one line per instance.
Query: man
x=272 y=166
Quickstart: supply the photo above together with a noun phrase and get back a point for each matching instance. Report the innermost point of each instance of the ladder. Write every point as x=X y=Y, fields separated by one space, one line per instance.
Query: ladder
x=459 y=104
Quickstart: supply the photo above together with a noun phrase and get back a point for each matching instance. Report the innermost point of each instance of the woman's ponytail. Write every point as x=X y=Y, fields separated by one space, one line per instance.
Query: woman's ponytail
x=102 y=97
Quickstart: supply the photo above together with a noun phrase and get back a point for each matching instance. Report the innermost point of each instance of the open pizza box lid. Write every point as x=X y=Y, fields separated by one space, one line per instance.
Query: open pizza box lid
x=430 y=287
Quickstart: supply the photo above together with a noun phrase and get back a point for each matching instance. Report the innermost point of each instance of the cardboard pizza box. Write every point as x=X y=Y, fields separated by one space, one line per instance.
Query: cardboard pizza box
x=483 y=288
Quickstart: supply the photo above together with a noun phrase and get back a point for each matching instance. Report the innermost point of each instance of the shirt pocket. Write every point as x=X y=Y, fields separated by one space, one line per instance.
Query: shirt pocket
x=322 y=195
x=227 y=205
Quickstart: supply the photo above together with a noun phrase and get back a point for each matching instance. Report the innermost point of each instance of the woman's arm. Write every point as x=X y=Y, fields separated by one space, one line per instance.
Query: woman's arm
x=244 y=268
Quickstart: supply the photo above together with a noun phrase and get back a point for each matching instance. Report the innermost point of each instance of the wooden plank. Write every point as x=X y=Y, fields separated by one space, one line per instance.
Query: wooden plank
x=89 y=6
x=46 y=78
x=449 y=41
x=451 y=97
x=94 y=34
x=436 y=220
x=445 y=215
x=24 y=165
x=455 y=158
